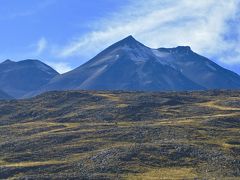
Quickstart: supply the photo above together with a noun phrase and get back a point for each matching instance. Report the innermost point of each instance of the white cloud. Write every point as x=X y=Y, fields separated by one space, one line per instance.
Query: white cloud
x=202 y=24
x=60 y=67
x=41 y=45
x=35 y=50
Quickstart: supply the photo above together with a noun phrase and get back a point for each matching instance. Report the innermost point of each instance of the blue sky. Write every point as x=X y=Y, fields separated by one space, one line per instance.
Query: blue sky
x=67 y=33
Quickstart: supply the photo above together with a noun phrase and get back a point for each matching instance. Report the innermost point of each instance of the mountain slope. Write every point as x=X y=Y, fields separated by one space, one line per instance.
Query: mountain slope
x=199 y=69
x=4 y=95
x=126 y=65
x=20 y=78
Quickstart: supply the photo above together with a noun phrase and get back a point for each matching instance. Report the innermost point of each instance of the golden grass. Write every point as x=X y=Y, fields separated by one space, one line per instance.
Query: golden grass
x=111 y=97
x=67 y=126
x=125 y=124
x=78 y=156
x=30 y=164
x=92 y=107
x=214 y=104
x=121 y=105
x=175 y=122
x=106 y=141
x=222 y=142
x=164 y=173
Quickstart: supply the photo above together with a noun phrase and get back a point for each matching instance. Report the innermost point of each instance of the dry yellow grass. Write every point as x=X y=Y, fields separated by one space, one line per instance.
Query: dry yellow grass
x=175 y=122
x=122 y=105
x=110 y=97
x=164 y=173
x=30 y=164
x=131 y=137
x=92 y=107
x=214 y=104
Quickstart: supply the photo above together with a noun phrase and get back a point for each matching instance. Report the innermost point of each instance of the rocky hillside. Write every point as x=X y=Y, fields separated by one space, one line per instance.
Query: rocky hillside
x=121 y=135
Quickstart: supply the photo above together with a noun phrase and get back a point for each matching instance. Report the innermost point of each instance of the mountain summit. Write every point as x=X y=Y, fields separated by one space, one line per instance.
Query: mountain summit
x=126 y=65
x=130 y=65
x=198 y=68
x=129 y=41
x=19 y=78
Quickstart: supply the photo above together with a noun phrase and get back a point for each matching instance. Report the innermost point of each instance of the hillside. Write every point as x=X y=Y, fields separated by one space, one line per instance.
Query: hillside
x=125 y=135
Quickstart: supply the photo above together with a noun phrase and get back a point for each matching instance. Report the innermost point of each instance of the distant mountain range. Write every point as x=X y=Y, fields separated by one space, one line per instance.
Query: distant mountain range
x=126 y=65
x=20 y=78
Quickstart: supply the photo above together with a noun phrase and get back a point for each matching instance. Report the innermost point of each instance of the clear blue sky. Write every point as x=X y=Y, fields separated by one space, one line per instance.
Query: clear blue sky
x=66 y=33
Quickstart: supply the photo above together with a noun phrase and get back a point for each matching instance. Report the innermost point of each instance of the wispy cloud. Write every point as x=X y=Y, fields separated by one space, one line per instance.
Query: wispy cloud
x=41 y=48
x=34 y=50
x=203 y=25
x=41 y=45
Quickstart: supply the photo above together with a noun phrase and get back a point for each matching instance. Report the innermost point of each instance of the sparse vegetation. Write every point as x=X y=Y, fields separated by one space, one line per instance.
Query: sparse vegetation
x=121 y=135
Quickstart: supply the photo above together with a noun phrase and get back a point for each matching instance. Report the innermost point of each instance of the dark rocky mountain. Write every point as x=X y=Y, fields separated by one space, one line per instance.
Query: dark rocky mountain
x=198 y=68
x=4 y=95
x=19 y=78
x=126 y=65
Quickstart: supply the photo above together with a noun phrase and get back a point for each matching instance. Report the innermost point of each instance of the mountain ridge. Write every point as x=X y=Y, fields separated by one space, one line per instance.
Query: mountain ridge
x=162 y=69
x=22 y=77
x=132 y=66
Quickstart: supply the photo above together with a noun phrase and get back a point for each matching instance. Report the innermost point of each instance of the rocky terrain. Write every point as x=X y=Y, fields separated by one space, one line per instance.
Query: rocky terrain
x=121 y=135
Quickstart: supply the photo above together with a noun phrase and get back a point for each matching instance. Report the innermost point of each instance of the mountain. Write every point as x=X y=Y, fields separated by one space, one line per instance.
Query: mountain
x=19 y=78
x=126 y=65
x=130 y=65
x=198 y=68
x=4 y=95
